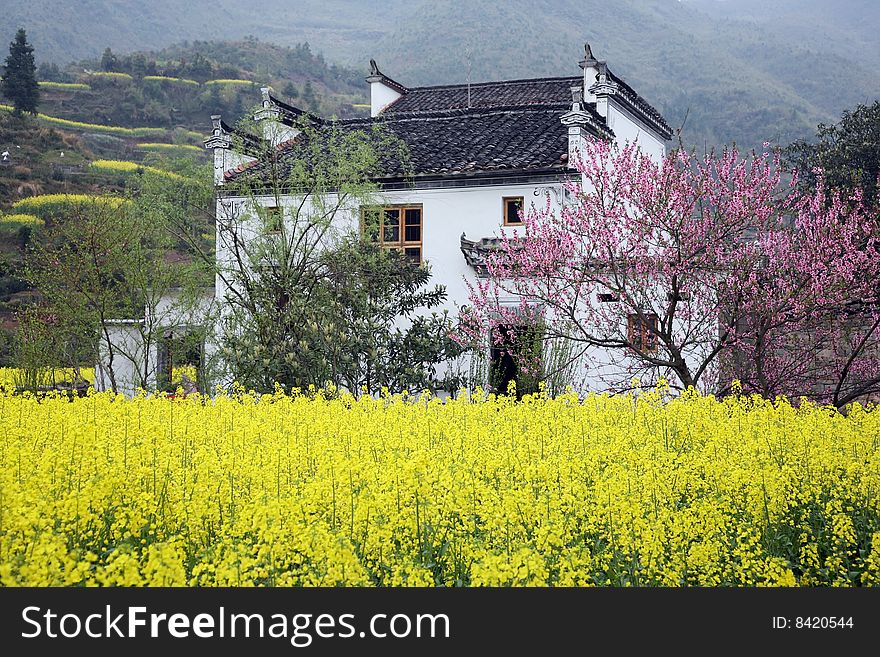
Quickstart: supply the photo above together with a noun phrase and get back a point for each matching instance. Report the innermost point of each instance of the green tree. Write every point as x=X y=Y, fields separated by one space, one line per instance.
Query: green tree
x=105 y=275
x=290 y=91
x=51 y=72
x=138 y=65
x=109 y=61
x=200 y=68
x=378 y=325
x=305 y=301
x=310 y=101
x=19 y=81
x=848 y=153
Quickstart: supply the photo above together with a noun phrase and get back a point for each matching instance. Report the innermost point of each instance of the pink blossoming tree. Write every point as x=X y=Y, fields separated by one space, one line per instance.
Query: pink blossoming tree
x=698 y=270
x=812 y=321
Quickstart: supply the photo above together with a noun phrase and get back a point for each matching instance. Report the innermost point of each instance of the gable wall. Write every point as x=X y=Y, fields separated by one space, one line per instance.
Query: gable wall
x=628 y=128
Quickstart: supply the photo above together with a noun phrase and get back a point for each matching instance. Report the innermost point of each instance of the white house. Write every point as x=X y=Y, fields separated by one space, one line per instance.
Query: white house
x=480 y=155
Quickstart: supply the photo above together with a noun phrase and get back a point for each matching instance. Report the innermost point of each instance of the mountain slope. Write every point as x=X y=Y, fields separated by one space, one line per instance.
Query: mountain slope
x=743 y=71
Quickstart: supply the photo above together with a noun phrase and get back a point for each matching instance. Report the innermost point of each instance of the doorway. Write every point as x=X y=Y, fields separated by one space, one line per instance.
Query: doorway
x=516 y=356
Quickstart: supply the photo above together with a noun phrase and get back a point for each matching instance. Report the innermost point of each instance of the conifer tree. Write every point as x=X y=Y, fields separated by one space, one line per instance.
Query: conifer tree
x=19 y=81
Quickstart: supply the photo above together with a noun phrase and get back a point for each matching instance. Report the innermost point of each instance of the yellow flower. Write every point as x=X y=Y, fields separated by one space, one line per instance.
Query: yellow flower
x=325 y=489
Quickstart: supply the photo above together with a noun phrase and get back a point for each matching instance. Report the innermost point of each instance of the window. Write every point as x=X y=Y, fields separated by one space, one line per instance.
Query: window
x=681 y=296
x=607 y=297
x=274 y=218
x=642 y=332
x=513 y=210
x=397 y=227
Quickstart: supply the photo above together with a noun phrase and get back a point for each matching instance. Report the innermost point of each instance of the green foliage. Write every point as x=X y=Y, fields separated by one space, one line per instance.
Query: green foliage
x=19 y=81
x=848 y=152
x=97 y=263
x=109 y=61
x=35 y=347
x=377 y=332
x=308 y=301
x=362 y=324
x=7 y=339
x=50 y=72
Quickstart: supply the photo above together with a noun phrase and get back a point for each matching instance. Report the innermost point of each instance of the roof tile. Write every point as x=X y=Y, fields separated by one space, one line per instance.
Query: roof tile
x=461 y=142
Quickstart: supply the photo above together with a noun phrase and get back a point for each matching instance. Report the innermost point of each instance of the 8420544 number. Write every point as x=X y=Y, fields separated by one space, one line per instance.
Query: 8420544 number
x=823 y=622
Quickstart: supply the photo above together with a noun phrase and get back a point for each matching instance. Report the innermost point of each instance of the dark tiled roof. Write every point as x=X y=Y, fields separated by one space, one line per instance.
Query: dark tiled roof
x=536 y=91
x=290 y=115
x=459 y=130
x=539 y=91
x=463 y=141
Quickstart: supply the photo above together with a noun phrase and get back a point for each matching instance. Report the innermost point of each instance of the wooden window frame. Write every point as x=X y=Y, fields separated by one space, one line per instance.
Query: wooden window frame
x=402 y=243
x=522 y=203
x=643 y=340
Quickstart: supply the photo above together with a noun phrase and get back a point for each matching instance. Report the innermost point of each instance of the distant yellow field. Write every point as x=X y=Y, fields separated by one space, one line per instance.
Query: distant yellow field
x=94 y=127
x=165 y=78
x=230 y=82
x=110 y=75
x=159 y=146
x=11 y=377
x=21 y=219
x=123 y=166
x=64 y=86
x=47 y=204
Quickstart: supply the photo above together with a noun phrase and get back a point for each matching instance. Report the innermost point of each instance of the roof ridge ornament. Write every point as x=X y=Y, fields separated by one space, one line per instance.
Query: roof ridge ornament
x=577 y=97
x=220 y=137
x=265 y=92
x=378 y=76
x=605 y=85
x=589 y=59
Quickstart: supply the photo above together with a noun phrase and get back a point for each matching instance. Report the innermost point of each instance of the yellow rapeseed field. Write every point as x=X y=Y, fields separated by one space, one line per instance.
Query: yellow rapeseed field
x=11 y=377
x=124 y=166
x=324 y=489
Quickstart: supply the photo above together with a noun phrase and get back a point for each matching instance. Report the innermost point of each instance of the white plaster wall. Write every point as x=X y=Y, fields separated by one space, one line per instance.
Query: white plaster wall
x=226 y=159
x=628 y=129
x=130 y=351
x=446 y=214
x=129 y=354
x=381 y=97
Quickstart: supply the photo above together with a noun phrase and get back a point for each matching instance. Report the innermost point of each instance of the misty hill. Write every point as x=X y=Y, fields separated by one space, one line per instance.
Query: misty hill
x=744 y=70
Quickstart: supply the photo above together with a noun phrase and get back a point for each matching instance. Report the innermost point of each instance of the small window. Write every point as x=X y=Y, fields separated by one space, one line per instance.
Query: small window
x=513 y=210
x=274 y=219
x=681 y=296
x=642 y=332
x=395 y=227
x=607 y=297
